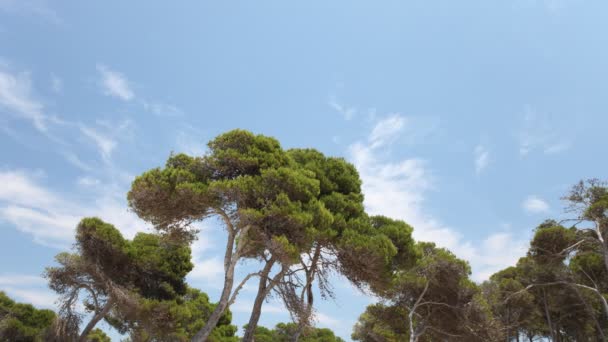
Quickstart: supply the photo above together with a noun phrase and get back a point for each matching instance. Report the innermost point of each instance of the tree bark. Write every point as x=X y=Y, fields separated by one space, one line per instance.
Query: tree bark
x=230 y=260
x=548 y=315
x=96 y=318
x=508 y=324
x=307 y=292
x=263 y=288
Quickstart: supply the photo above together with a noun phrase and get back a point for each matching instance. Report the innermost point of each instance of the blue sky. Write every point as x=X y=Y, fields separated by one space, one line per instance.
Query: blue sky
x=467 y=119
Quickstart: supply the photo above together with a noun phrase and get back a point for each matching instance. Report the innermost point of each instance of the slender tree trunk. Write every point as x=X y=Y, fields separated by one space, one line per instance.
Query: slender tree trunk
x=603 y=242
x=307 y=292
x=548 y=315
x=256 y=311
x=96 y=318
x=412 y=337
x=296 y=335
x=230 y=261
x=508 y=324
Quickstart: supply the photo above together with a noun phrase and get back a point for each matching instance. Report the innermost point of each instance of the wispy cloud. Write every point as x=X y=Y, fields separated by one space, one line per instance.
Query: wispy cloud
x=348 y=113
x=535 y=205
x=497 y=251
x=28 y=288
x=386 y=130
x=105 y=144
x=114 y=83
x=326 y=320
x=38 y=8
x=16 y=98
x=539 y=133
x=244 y=306
x=161 y=109
x=399 y=188
x=482 y=158
x=50 y=217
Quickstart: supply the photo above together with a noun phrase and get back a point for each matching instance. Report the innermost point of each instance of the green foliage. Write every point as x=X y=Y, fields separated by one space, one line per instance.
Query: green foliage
x=97 y=335
x=381 y=323
x=284 y=332
x=110 y=271
x=23 y=322
x=180 y=319
x=158 y=266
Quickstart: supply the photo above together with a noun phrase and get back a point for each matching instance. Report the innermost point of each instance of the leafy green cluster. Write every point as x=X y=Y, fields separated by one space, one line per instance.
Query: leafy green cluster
x=283 y=332
x=23 y=322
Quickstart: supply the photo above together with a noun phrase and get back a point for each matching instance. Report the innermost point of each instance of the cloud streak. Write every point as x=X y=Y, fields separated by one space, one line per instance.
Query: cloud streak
x=539 y=134
x=398 y=189
x=535 y=205
x=114 y=83
x=50 y=218
x=16 y=97
x=482 y=158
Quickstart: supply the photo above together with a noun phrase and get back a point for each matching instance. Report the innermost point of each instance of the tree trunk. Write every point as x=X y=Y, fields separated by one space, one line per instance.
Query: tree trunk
x=508 y=324
x=412 y=331
x=296 y=335
x=256 y=311
x=230 y=261
x=203 y=334
x=307 y=292
x=548 y=315
x=96 y=318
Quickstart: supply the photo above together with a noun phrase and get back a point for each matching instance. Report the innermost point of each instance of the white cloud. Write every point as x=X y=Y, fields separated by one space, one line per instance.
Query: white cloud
x=245 y=306
x=326 y=320
x=51 y=218
x=20 y=280
x=496 y=252
x=20 y=189
x=161 y=109
x=348 y=113
x=114 y=83
x=35 y=7
x=386 y=130
x=539 y=133
x=535 y=205
x=482 y=158
x=37 y=297
x=16 y=97
x=104 y=143
x=28 y=288
x=88 y=181
x=398 y=189
x=209 y=269
x=73 y=159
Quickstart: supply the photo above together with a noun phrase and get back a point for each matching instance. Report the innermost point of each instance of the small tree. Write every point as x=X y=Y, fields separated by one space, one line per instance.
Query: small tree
x=381 y=323
x=23 y=322
x=113 y=275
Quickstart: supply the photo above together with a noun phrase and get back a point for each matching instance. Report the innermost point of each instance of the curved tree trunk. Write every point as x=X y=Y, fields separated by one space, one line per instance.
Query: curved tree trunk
x=256 y=311
x=230 y=260
x=96 y=318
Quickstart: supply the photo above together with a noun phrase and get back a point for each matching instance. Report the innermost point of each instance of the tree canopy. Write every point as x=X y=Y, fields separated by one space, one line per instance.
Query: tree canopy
x=298 y=216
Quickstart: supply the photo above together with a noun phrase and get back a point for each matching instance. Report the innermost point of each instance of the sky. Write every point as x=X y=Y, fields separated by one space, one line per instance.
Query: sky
x=467 y=119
